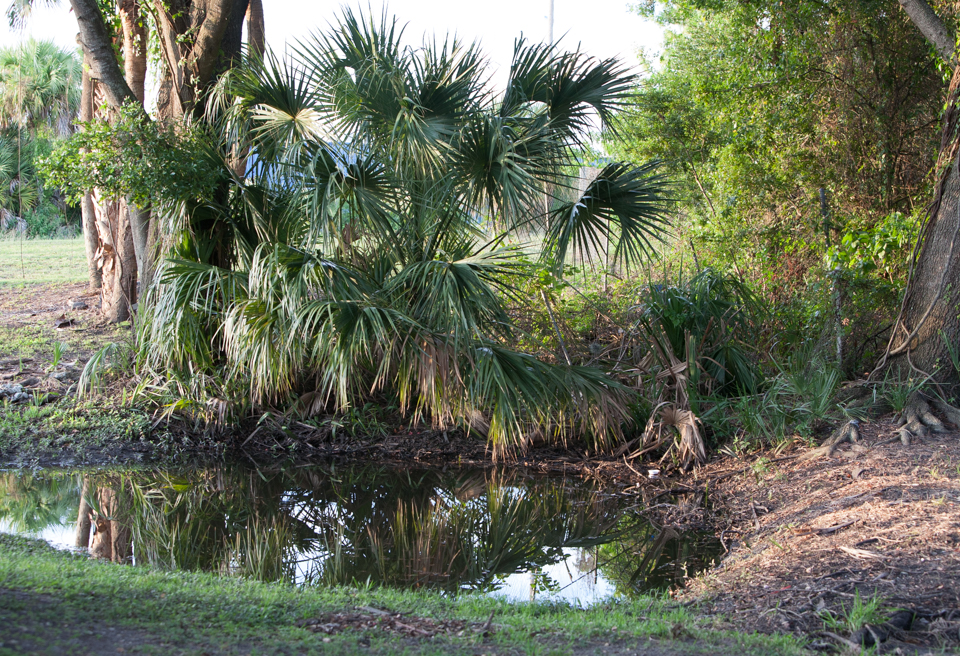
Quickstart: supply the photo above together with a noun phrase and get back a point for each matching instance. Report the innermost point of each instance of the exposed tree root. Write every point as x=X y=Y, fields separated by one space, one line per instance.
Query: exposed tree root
x=917 y=420
x=948 y=411
x=849 y=432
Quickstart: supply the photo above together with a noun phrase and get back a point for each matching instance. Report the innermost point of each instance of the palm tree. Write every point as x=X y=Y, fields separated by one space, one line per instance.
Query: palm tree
x=39 y=87
x=369 y=245
x=19 y=188
x=39 y=97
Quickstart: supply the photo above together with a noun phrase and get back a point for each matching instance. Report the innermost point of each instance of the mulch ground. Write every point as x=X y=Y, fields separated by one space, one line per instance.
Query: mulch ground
x=805 y=538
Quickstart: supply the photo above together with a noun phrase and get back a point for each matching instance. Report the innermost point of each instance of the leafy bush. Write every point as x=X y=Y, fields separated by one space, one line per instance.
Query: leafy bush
x=704 y=322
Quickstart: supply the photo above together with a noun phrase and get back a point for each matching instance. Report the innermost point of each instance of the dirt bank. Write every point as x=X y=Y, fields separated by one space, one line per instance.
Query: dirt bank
x=805 y=538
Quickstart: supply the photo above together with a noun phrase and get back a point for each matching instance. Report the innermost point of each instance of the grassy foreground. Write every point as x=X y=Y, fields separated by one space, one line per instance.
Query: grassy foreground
x=25 y=261
x=60 y=603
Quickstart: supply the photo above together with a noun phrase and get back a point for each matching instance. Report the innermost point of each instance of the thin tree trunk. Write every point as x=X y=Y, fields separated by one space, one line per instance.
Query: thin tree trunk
x=98 y=48
x=135 y=72
x=134 y=47
x=128 y=258
x=91 y=239
x=932 y=27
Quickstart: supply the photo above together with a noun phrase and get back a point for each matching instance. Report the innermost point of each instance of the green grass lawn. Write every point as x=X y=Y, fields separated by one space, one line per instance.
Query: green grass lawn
x=62 y=603
x=28 y=261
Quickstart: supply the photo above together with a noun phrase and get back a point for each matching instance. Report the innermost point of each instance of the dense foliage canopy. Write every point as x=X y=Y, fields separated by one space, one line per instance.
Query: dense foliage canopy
x=756 y=108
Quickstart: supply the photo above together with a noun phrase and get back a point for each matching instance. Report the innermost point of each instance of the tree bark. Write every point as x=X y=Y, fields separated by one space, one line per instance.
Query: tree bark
x=256 y=36
x=931 y=27
x=91 y=239
x=117 y=259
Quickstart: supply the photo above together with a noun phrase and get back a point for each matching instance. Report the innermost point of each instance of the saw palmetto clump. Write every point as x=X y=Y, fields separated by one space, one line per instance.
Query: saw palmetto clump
x=363 y=236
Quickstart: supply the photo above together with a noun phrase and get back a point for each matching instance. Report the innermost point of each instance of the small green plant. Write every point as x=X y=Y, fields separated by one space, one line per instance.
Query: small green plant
x=898 y=392
x=863 y=611
x=809 y=384
x=760 y=468
x=58 y=350
x=763 y=417
x=111 y=358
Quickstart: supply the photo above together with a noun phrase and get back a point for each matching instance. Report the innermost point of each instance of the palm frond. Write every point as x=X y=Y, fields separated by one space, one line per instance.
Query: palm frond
x=624 y=207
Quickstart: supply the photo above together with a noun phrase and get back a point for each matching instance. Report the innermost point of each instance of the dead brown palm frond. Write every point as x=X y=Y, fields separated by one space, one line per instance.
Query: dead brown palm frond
x=672 y=420
x=690 y=447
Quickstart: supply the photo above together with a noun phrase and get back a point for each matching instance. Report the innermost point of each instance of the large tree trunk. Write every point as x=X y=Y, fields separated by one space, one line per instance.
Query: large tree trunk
x=117 y=259
x=112 y=540
x=256 y=36
x=198 y=40
x=929 y=322
x=928 y=327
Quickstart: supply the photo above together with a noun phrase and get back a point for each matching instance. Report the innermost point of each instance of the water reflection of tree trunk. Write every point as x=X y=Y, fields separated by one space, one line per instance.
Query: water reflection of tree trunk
x=83 y=516
x=112 y=540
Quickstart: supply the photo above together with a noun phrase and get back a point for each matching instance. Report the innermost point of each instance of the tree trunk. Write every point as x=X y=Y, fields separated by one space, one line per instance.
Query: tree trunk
x=256 y=36
x=84 y=513
x=91 y=239
x=929 y=318
x=198 y=39
x=135 y=73
x=112 y=540
x=117 y=259
x=98 y=49
x=196 y=45
x=932 y=27
x=134 y=47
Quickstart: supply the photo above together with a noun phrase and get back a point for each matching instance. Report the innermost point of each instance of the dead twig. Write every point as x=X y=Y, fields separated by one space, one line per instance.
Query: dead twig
x=862 y=554
x=756 y=520
x=841 y=639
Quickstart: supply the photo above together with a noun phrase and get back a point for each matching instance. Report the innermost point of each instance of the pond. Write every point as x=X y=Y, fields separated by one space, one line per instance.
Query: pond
x=497 y=531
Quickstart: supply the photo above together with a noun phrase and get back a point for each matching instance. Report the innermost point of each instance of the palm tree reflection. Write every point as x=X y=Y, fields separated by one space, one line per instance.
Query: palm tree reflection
x=331 y=526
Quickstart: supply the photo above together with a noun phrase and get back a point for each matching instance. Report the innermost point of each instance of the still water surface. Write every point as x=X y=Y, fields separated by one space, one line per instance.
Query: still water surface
x=496 y=531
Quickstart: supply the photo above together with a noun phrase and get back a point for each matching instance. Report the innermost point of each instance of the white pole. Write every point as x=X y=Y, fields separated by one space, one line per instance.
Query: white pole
x=550 y=26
